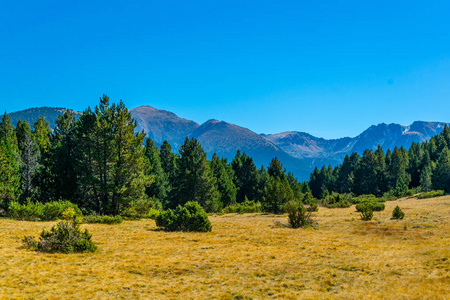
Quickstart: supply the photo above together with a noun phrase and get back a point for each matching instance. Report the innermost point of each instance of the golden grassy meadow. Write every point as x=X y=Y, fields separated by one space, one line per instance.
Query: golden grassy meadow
x=251 y=256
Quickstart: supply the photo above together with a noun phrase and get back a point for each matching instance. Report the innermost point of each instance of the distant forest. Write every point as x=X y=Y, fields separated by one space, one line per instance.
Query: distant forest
x=98 y=162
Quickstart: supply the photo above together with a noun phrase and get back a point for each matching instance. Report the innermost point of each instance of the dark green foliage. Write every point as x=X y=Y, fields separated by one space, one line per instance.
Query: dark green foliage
x=441 y=174
x=9 y=175
x=243 y=207
x=375 y=206
x=366 y=212
x=160 y=186
x=141 y=208
x=401 y=189
x=298 y=215
x=194 y=180
x=278 y=193
x=103 y=219
x=431 y=194
x=190 y=217
x=246 y=177
x=337 y=201
x=64 y=237
x=224 y=175
x=398 y=213
x=276 y=170
x=37 y=211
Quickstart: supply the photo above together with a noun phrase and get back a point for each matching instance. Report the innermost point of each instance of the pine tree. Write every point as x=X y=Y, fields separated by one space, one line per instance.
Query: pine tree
x=366 y=175
x=276 y=170
x=278 y=193
x=29 y=166
x=247 y=177
x=426 y=175
x=9 y=174
x=225 y=184
x=441 y=175
x=194 y=179
x=160 y=186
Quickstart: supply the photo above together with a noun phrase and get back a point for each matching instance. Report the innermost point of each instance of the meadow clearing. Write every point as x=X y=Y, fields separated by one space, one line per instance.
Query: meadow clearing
x=249 y=256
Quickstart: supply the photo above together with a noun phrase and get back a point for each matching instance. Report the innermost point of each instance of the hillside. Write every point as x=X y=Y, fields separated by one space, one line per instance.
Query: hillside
x=31 y=115
x=163 y=125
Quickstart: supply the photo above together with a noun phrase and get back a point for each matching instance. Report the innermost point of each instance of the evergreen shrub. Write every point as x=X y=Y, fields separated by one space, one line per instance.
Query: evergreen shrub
x=37 y=211
x=244 y=207
x=103 y=219
x=431 y=194
x=366 y=213
x=190 y=217
x=375 y=206
x=398 y=213
x=64 y=237
x=298 y=215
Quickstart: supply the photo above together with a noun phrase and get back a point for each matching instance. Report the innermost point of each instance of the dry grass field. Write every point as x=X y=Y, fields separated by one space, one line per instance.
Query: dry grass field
x=251 y=256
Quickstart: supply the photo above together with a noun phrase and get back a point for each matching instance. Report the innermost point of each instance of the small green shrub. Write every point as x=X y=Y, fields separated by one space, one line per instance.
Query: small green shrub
x=375 y=206
x=243 y=207
x=336 y=201
x=102 y=219
x=313 y=207
x=141 y=208
x=366 y=213
x=37 y=211
x=152 y=214
x=398 y=213
x=298 y=215
x=64 y=237
x=190 y=217
x=431 y=194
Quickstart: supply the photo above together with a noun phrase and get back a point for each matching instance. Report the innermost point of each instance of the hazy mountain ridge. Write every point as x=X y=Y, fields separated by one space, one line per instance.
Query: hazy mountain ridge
x=31 y=115
x=324 y=152
x=299 y=152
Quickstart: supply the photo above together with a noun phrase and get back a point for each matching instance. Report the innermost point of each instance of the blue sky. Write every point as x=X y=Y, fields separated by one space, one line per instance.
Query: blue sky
x=329 y=68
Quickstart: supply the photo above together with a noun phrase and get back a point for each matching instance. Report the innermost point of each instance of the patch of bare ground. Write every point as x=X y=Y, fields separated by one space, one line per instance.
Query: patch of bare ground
x=250 y=256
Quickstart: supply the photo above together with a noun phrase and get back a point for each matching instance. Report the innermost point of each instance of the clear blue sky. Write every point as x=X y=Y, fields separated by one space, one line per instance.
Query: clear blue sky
x=330 y=68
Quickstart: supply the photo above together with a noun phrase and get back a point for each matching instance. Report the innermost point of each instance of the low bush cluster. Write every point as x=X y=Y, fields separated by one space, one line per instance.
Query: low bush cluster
x=37 y=211
x=298 y=215
x=366 y=212
x=431 y=194
x=190 y=217
x=64 y=237
x=398 y=213
x=337 y=201
x=375 y=206
x=102 y=219
x=243 y=207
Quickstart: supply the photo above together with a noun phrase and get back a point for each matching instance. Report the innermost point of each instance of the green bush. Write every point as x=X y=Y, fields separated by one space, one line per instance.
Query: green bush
x=366 y=213
x=243 y=207
x=152 y=214
x=431 y=194
x=337 y=201
x=313 y=207
x=37 y=211
x=142 y=208
x=375 y=206
x=102 y=219
x=190 y=217
x=298 y=215
x=64 y=237
x=398 y=213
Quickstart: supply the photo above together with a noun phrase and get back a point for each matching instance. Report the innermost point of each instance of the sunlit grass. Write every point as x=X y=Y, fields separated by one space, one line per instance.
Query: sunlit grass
x=245 y=256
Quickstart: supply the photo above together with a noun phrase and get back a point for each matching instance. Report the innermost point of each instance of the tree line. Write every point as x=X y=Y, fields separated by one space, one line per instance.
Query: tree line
x=100 y=163
x=422 y=167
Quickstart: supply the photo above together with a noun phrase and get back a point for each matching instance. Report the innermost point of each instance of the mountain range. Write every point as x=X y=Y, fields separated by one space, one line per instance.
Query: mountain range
x=299 y=152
